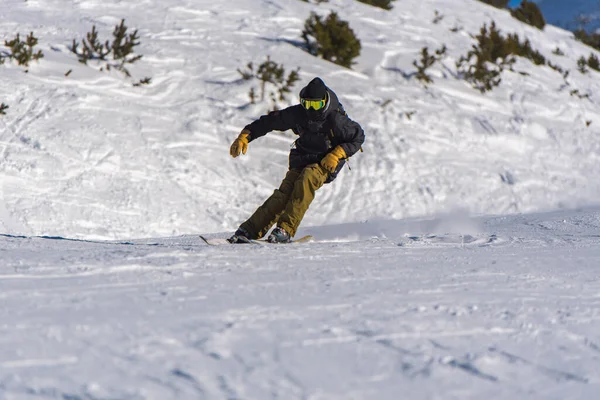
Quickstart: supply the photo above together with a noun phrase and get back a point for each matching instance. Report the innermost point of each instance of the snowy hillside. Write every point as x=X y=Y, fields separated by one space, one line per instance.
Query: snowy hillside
x=89 y=156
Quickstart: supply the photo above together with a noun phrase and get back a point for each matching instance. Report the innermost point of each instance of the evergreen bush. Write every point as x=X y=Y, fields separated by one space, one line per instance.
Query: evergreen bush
x=121 y=50
x=269 y=72
x=514 y=46
x=577 y=93
x=22 y=51
x=331 y=39
x=582 y=65
x=530 y=13
x=3 y=108
x=557 y=68
x=593 y=62
x=591 y=39
x=385 y=4
x=492 y=54
x=409 y=114
x=427 y=60
x=496 y=3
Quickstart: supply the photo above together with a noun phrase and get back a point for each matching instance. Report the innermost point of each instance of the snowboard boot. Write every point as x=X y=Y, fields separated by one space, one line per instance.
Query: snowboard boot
x=240 y=236
x=279 y=235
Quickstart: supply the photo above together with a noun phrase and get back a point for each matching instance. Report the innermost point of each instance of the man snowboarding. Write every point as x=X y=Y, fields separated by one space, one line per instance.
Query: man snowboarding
x=327 y=137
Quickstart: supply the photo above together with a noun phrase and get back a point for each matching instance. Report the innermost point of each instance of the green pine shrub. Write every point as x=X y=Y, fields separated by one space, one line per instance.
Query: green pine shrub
x=3 y=108
x=487 y=59
x=409 y=114
x=385 y=4
x=92 y=48
x=514 y=46
x=269 y=72
x=558 y=69
x=591 y=39
x=530 y=13
x=428 y=60
x=494 y=53
x=143 y=81
x=121 y=50
x=582 y=65
x=496 y=3
x=593 y=62
x=22 y=51
x=577 y=93
x=332 y=39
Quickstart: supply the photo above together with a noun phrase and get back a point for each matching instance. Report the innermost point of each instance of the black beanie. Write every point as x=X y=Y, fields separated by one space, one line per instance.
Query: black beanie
x=316 y=89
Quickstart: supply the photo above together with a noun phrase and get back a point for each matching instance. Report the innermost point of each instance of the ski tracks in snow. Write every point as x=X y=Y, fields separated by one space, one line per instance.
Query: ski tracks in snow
x=173 y=318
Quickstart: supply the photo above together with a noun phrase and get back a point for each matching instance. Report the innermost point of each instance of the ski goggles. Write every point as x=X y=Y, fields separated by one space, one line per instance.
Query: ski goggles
x=316 y=104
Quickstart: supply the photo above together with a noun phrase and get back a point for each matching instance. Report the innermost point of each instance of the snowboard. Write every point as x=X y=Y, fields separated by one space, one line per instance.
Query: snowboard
x=220 y=241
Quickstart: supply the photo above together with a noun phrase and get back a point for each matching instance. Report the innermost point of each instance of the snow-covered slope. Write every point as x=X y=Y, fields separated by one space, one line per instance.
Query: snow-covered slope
x=89 y=156
x=416 y=309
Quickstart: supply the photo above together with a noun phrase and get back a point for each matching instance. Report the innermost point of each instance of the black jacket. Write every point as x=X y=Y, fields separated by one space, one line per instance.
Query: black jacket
x=317 y=137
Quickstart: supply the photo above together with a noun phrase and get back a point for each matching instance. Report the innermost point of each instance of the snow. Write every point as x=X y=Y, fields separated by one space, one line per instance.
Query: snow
x=381 y=309
x=457 y=259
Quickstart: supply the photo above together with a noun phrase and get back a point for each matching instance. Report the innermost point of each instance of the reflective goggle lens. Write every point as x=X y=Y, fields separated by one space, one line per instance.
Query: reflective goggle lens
x=316 y=104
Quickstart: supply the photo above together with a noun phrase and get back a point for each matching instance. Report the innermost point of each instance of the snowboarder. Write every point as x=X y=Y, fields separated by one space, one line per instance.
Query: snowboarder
x=327 y=137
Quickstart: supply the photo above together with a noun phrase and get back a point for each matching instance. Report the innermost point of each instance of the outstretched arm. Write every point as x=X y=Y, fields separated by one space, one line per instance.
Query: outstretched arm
x=280 y=120
x=274 y=121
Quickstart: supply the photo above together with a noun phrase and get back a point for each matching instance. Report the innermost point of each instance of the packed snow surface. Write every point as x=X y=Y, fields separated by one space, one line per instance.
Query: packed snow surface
x=445 y=308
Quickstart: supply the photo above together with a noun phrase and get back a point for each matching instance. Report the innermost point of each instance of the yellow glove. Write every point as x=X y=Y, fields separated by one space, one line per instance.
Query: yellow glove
x=240 y=145
x=331 y=160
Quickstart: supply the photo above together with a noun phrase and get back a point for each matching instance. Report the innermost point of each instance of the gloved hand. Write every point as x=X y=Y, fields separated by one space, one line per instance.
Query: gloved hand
x=240 y=145
x=331 y=160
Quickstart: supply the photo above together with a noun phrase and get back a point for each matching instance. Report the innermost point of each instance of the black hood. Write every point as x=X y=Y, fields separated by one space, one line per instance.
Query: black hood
x=316 y=89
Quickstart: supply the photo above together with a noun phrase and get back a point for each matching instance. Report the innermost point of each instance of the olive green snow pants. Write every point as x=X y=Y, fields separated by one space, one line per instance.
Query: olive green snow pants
x=287 y=205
